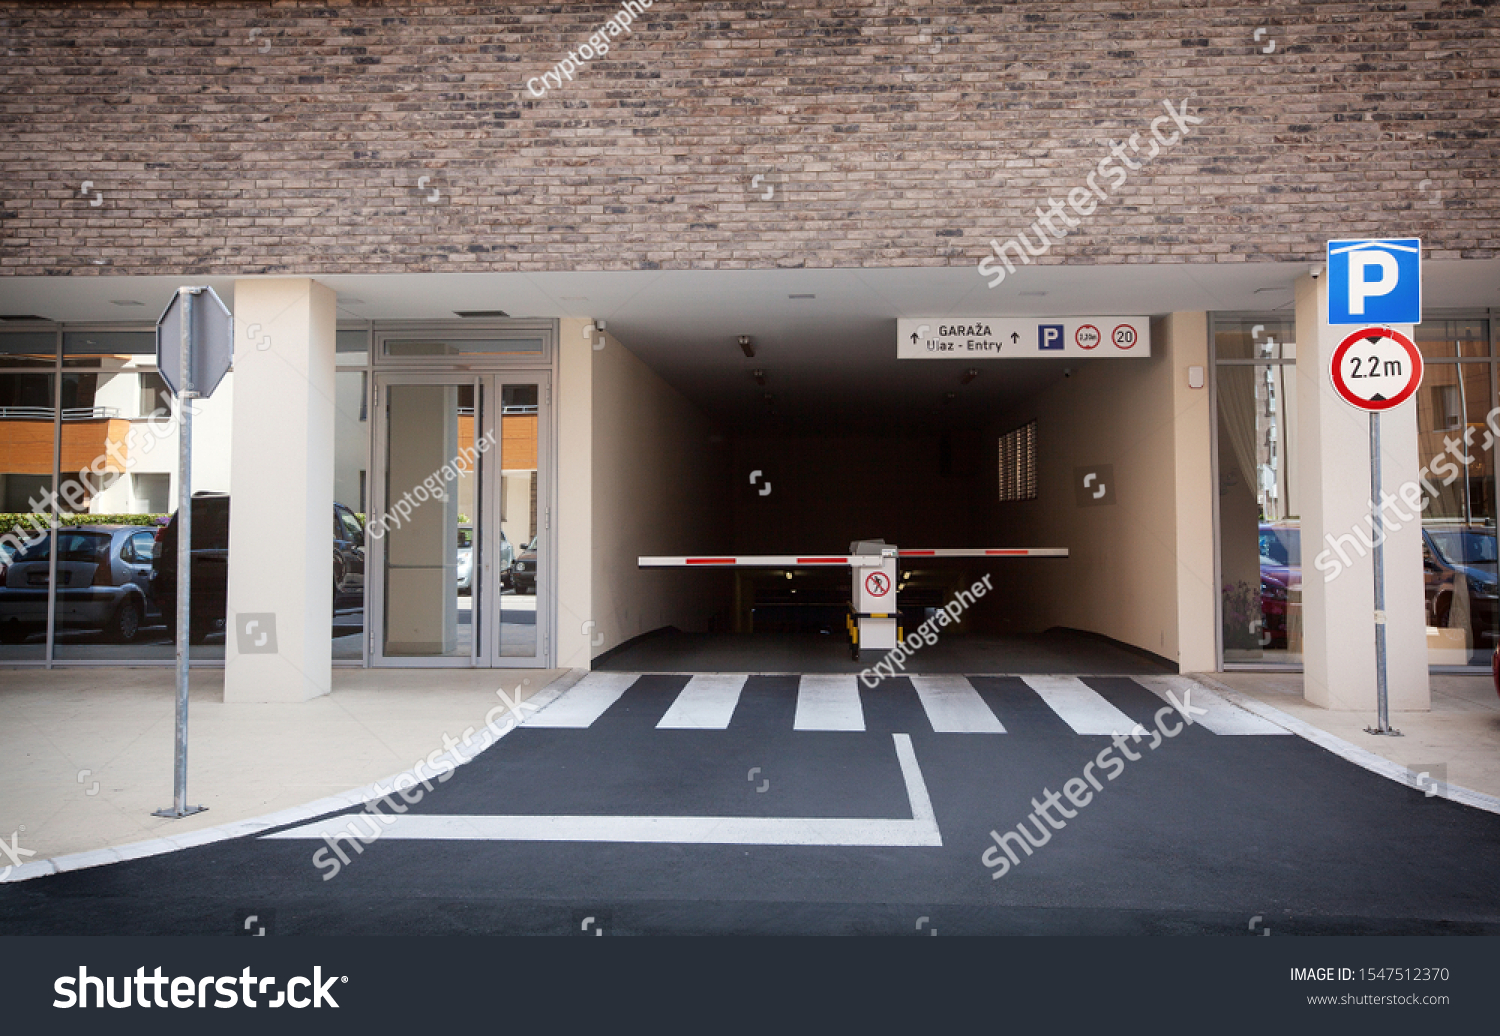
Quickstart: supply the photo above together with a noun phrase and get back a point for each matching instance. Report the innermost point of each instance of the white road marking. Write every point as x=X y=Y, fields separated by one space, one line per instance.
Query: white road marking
x=920 y=830
x=706 y=703
x=828 y=703
x=1222 y=717
x=1080 y=706
x=585 y=701
x=954 y=707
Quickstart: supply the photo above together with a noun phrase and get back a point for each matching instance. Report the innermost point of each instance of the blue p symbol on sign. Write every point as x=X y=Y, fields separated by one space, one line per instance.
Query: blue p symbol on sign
x=1375 y=282
x=1051 y=336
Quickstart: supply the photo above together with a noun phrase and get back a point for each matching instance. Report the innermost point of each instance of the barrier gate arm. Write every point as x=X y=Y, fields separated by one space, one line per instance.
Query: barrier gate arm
x=874 y=615
x=846 y=560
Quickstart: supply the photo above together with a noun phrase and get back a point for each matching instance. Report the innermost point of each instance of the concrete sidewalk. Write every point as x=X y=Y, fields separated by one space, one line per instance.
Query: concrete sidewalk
x=86 y=754
x=1462 y=732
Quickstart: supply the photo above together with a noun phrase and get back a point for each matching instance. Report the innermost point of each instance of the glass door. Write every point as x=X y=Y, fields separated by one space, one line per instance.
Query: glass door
x=458 y=532
x=519 y=546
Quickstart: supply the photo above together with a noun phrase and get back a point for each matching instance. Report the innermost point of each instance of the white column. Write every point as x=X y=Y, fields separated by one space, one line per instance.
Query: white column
x=1184 y=338
x=281 y=489
x=575 y=473
x=1339 y=597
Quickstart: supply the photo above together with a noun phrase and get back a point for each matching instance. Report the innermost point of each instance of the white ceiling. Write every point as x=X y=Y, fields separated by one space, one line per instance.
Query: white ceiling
x=829 y=361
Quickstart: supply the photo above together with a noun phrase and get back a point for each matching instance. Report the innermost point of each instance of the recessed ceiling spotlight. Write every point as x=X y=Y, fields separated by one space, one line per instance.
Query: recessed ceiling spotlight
x=969 y=375
x=746 y=346
x=125 y=302
x=759 y=376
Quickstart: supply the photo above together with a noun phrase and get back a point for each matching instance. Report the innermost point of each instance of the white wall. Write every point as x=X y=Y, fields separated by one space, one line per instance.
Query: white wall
x=659 y=487
x=1130 y=562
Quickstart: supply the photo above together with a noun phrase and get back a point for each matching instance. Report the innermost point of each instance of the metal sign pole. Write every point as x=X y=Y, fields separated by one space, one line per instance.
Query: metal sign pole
x=1377 y=535
x=185 y=396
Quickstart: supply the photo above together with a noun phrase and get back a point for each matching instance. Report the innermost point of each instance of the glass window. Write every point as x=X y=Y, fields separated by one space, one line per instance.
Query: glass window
x=351 y=444
x=1452 y=339
x=410 y=347
x=109 y=344
x=26 y=431
x=1264 y=337
x=1454 y=411
x=1260 y=548
x=119 y=476
x=155 y=396
x=28 y=348
x=353 y=348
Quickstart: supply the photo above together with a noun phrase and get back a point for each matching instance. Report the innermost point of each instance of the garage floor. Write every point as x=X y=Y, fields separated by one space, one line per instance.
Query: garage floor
x=1058 y=651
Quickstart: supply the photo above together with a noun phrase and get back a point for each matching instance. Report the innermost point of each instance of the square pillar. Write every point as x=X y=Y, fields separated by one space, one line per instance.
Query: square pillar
x=1183 y=338
x=1337 y=565
x=575 y=508
x=281 y=492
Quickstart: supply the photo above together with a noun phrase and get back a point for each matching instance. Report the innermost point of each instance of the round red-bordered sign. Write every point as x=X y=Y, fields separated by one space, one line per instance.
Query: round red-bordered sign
x=1086 y=340
x=877 y=584
x=1376 y=368
x=1129 y=337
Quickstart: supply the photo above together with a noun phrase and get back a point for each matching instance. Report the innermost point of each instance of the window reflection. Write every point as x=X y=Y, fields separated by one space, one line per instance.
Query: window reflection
x=1260 y=539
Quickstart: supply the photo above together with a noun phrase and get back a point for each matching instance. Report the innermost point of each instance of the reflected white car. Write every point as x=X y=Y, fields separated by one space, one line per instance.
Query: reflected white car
x=466 y=559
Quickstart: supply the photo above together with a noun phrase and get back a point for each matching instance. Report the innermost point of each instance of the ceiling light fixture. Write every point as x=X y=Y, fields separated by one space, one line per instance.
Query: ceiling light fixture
x=759 y=376
x=969 y=375
x=468 y=314
x=746 y=347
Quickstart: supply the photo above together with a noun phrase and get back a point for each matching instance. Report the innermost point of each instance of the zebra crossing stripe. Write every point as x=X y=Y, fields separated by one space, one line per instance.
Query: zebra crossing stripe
x=706 y=703
x=953 y=706
x=1080 y=706
x=828 y=703
x=585 y=701
x=1221 y=718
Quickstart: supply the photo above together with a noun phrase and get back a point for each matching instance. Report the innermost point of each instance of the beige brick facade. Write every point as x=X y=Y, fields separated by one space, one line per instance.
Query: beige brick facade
x=291 y=138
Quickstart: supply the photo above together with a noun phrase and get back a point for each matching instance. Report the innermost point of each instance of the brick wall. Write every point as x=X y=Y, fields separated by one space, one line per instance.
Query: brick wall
x=228 y=138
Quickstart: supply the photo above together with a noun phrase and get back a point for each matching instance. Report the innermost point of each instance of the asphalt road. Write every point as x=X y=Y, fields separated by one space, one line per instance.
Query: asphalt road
x=1203 y=834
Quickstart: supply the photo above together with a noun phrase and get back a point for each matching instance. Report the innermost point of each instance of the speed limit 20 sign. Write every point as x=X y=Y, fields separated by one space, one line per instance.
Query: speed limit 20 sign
x=1376 y=368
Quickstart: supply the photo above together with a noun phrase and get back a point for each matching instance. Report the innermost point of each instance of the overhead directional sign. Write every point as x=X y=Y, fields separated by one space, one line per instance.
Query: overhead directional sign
x=1376 y=368
x=1375 y=281
x=211 y=342
x=1006 y=338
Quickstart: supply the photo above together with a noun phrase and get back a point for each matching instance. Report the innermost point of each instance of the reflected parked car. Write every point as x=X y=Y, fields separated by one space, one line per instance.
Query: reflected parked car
x=210 y=565
x=466 y=559
x=523 y=572
x=1280 y=576
x=1466 y=553
x=103 y=582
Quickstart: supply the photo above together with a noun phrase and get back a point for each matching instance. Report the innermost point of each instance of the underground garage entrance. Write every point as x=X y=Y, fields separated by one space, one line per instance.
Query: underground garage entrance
x=841 y=498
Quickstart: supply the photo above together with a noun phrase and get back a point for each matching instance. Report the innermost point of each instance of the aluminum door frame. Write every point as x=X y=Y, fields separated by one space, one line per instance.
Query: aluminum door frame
x=546 y=564
x=375 y=548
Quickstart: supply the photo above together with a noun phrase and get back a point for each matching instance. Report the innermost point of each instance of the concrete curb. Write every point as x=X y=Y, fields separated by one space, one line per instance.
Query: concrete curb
x=1363 y=757
x=282 y=818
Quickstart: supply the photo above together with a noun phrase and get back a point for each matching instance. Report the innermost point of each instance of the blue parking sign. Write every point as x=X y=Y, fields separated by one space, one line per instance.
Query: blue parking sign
x=1050 y=336
x=1375 y=281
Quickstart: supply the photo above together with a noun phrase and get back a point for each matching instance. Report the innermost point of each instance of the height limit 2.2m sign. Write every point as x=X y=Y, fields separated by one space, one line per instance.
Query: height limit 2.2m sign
x=1376 y=368
x=978 y=338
